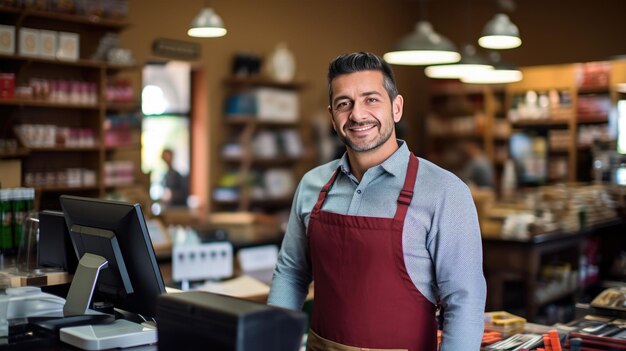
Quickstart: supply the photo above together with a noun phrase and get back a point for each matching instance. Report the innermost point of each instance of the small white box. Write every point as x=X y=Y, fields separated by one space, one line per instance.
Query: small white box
x=29 y=42
x=47 y=43
x=276 y=105
x=69 y=46
x=212 y=260
x=7 y=39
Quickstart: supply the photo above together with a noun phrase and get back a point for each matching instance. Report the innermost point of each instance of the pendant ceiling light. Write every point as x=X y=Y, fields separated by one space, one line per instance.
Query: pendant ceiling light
x=501 y=73
x=500 y=33
x=471 y=63
x=423 y=47
x=207 y=24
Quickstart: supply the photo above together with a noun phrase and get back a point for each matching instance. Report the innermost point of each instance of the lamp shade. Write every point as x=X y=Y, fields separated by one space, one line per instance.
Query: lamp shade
x=501 y=73
x=500 y=33
x=423 y=47
x=207 y=24
x=470 y=63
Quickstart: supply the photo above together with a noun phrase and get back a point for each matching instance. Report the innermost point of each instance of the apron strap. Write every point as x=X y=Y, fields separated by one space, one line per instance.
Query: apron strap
x=406 y=194
x=322 y=196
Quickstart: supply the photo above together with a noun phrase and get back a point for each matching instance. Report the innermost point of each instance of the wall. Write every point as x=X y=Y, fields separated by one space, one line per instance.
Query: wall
x=316 y=31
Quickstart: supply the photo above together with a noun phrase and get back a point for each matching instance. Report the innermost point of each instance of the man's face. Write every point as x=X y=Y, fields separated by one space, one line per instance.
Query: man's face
x=362 y=114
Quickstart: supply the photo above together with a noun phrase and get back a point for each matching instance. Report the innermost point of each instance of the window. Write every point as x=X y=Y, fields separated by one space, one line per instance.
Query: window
x=166 y=106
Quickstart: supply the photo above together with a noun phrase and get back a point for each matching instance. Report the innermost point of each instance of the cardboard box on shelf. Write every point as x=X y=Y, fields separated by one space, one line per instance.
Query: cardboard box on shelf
x=69 y=46
x=48 y=43
x=29 y=42
x=10 y=173
x=276 y=105
x=7 y=39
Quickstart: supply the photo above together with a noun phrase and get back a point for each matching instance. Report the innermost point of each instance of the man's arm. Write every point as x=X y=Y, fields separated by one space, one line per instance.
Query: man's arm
x=292 y=275
x=456 y=249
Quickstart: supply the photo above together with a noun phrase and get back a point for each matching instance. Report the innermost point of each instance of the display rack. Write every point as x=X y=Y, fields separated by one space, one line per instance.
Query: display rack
x=251 y=167
x=578 y=99
x=467 y=112
x=46 y=167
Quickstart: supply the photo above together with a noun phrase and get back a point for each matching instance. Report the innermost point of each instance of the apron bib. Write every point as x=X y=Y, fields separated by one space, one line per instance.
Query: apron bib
x=364 y=296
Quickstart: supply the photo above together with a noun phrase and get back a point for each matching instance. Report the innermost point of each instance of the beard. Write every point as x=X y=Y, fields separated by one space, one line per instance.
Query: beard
x=361 y=146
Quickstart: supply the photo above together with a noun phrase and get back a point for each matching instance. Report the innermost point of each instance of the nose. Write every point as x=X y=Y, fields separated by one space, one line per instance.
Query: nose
x=359 y=112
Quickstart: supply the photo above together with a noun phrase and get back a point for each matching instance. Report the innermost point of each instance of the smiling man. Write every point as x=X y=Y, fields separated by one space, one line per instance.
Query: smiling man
x=387 y=237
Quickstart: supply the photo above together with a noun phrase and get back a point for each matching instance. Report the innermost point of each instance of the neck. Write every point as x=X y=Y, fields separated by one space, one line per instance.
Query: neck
x=360 y=162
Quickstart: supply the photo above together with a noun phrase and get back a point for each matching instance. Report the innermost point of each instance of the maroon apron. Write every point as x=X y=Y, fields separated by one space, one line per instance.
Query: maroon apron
x=364 y=296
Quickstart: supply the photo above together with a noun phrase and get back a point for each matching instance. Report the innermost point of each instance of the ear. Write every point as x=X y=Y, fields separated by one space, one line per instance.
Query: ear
x=396 y=108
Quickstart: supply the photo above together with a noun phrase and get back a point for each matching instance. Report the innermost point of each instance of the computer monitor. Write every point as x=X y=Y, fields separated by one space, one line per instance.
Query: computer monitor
x=114 y=232
x=55 y=248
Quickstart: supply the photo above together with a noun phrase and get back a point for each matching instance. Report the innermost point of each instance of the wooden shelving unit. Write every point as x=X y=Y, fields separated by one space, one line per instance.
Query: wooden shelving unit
x=482 y=112
x=42 y=111
x=569 y=78
x=247 y=165
x=465 y=112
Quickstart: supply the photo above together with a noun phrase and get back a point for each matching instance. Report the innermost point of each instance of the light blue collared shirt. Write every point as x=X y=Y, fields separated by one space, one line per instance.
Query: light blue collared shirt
x=441 y=238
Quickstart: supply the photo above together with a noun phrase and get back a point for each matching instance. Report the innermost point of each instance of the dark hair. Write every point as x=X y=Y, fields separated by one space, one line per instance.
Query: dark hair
x=362 y=61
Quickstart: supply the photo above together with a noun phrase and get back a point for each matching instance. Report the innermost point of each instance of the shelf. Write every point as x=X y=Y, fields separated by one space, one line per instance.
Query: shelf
x=594 y=90
x=459 y=113
x=258 y=81
x=21 y=152
x=66 y=188
x=64 y=149
x=447 y=136
x=593 y=119
x=248 y=119
x=122 y=185
x=41 y=103
x=127 y=147
x=77 y=63
x=119 y=67
x=123 y=106
x=95 y=21
x=540 y=123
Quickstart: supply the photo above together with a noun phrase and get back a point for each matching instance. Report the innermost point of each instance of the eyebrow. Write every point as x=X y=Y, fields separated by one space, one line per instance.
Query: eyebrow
x=367 y=93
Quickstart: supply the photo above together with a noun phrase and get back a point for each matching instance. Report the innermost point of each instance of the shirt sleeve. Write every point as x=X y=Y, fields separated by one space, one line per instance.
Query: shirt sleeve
x=292 y=275
x=456 y=249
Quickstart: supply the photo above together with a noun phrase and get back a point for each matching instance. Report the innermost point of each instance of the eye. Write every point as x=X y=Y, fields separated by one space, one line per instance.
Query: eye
x=372 y=99
x=342 y=105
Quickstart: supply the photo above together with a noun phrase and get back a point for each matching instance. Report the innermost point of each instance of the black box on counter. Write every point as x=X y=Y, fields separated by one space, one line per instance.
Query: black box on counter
x=199 y=320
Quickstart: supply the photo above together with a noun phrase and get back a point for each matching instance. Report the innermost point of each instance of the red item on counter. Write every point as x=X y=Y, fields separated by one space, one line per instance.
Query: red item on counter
x=555 y=341
x=547 y=343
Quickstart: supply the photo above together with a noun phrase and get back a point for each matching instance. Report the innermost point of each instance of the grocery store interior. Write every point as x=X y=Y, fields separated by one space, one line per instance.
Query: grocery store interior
x=210 y=135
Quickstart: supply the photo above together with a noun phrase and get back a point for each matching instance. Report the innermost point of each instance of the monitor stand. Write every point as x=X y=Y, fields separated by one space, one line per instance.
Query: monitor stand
x=76 y=310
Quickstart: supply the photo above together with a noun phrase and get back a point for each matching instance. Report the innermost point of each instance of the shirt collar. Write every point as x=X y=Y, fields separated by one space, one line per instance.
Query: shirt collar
x=395 y=165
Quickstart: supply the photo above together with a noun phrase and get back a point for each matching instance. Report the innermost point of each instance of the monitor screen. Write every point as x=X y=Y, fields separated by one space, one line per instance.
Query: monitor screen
x=117 y=232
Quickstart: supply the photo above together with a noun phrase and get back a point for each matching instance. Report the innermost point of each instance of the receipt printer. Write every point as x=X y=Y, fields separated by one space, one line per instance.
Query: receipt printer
x=198 y=320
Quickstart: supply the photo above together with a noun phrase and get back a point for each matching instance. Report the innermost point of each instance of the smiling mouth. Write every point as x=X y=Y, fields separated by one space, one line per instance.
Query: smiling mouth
x=361 y=127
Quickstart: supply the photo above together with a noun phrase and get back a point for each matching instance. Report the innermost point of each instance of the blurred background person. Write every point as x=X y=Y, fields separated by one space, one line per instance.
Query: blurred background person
x=477 y=169
x=175 y=188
